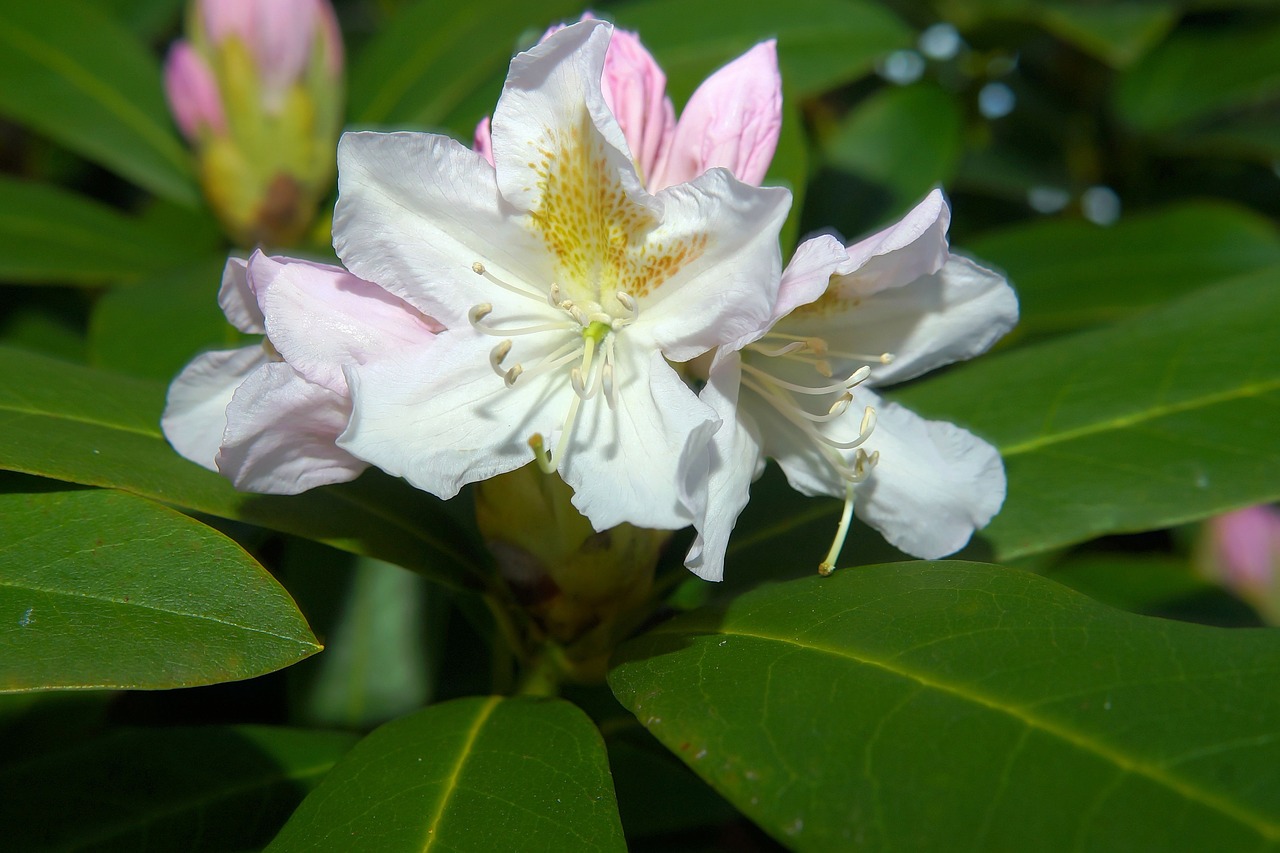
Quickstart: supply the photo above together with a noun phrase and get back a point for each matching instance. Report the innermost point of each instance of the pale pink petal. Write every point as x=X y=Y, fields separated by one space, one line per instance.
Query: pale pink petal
x=195 y=412
x=623 y=460
x=237 y=299
x=635 y=90
x=732 y=120
x=225 y=18
x=281 y=35
x=913 y=247
x=483 y=144
x=1247 y=546
x=935 y=483
x=321 y=317
x=192 y=92
x=281 y=435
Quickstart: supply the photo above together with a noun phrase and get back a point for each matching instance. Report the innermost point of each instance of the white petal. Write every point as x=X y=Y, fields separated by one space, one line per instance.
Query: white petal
x=237 y=299
x=725 y=284
x=901 y=253
x=282 y=432
x=935 y=483
x=195 y=413
x=623 y=463
x=322 y=317
x=733 y=461
x=441 y=418
x=415 y=212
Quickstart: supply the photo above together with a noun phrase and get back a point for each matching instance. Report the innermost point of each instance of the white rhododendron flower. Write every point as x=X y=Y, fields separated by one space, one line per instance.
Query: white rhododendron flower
x=565 y=287
x=268 y=415
x=798 y=390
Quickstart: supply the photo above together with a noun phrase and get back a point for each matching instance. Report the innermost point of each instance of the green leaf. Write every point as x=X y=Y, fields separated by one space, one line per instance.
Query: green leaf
x=383 y=627
x=69 y=71
x=101 y=589
x=821 y=43
x=1200 y=73
x=902 y=142
x=55 y=237
x=1071 y=274
x=478 y=774
x=1166 y=418
x=101 y=429
x=958 y=706
x=154 y=328
x=211 y=789
x=426 y=61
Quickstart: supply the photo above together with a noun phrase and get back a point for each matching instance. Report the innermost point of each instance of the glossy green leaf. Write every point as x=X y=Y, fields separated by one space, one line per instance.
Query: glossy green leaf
x=1165 y=418
x=1070 y=274
x=71 y=72
x=821 y=43
x=959 y=706
x=1199 y=73
x=433 y=55
x=104 y=589
x=101 y=429
x=904 y=141
x=210 y=789
x=478 y=774
x=155 y=327
x=55 y=237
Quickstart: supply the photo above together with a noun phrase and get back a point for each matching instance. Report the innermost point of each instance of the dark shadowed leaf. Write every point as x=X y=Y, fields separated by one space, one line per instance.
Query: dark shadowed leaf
x=961 y=706
x=104 y=589
x=479 y=774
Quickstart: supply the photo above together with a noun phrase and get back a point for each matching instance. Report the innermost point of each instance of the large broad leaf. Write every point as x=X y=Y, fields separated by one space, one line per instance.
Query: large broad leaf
x=959 y=706
x=433 y=55
x=1199 y=73
x=478 y=774
x=1071 y=274
x=210 y=789
x=51 y=236
x=70 y=71
x=88 y=426
x=104 y=589
x=1165 y=418
x=821 y=43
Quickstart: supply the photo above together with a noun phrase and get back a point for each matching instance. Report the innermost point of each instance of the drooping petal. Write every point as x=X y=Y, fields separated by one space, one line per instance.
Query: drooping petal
x=935 y=483
x=720 y=239
x=321 y=317
x=415 y=211
x=804 y=280
x=733 y=459
x=195 y=412
x=281 y=435
x=635 y=90
x=914 y=246
x=623 y=461
x=732 y=120
x=237 y=299
x=441 y=418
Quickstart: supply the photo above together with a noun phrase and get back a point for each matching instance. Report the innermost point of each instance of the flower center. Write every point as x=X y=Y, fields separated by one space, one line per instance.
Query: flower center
x=765 y=365
x=587 y=332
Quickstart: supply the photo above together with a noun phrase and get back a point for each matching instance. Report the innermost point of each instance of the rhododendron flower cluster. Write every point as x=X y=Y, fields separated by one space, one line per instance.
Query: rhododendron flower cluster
x=597 y=288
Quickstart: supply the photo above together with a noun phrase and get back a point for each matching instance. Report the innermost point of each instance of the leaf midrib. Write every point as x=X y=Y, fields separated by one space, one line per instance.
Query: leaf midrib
x=451 y=784
x=1135 y=418
x=1186 y=790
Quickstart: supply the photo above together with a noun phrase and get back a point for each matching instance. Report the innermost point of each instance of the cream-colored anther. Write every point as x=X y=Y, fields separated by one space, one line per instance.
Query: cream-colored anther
x=478 y=268
x=512 y=375
x=839 y=406
x=479 y=312
x=497 y=354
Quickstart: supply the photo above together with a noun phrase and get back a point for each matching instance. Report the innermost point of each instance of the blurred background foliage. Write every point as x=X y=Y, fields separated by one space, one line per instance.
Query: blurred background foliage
x=1119 y=160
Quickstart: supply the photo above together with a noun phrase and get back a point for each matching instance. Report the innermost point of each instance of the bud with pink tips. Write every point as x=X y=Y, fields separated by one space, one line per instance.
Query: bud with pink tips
x=1241 y=551
x=257 y=90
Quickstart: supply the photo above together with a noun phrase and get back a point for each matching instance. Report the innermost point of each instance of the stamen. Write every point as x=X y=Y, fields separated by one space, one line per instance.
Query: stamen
x=853 y=379
x=882 y=358
x=480 y=270
x=497 y=354
x=794 y=346
x=559 y=358
x=626 y=301
x=549 y=461
x=828 y=564
x=479 y=311
x=606 y=379
x=512 y=375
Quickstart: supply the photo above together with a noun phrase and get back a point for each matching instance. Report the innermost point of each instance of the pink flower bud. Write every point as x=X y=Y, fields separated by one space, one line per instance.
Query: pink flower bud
x=1245 y=548
x=732 y=120
x=192 y=92
x=483 y=144
x=635 y=89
